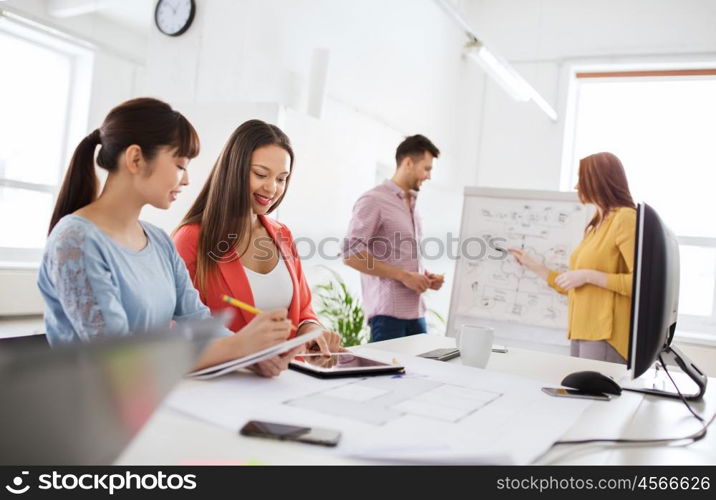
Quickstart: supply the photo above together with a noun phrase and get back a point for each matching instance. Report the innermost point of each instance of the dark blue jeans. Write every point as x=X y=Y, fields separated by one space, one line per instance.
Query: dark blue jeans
x=388 y=327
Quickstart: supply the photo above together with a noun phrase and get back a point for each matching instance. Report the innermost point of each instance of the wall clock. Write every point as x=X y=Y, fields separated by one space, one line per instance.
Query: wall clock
x=173 y=17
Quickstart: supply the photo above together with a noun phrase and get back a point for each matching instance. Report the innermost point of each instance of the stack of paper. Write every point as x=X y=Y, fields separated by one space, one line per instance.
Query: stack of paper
x=235 y=364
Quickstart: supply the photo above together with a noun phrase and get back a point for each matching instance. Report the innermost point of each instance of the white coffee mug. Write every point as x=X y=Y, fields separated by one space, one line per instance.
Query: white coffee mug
x=475 y=344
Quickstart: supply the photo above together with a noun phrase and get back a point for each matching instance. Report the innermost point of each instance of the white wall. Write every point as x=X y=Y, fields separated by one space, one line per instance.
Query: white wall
x=119 y=53
x=395 y=68
x=520 y=147
x=116 y=76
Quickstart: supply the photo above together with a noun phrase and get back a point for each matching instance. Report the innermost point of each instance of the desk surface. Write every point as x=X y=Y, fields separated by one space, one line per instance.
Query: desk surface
x=173 y=438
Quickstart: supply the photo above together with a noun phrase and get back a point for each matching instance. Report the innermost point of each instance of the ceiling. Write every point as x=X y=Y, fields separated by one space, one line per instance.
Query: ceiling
x=137 y=15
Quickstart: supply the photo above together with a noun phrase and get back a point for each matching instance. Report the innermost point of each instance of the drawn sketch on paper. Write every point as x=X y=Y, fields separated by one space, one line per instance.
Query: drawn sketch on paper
x=379 y=400
x=491 y=284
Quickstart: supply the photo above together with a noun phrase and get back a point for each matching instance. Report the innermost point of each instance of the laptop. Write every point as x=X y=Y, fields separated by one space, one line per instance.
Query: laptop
x=82 y=404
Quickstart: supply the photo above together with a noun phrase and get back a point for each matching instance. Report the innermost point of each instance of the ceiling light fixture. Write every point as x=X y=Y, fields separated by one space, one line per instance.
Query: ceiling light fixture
x=496 y=67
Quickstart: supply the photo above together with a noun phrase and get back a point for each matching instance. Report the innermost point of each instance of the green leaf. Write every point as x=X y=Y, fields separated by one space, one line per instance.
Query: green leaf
x=339 y=309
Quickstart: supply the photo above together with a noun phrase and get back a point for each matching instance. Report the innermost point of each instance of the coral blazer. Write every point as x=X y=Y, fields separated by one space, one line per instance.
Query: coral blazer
x=230 y=277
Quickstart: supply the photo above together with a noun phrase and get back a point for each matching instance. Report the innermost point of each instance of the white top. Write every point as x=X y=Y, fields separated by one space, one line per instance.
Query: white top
x=273 y=289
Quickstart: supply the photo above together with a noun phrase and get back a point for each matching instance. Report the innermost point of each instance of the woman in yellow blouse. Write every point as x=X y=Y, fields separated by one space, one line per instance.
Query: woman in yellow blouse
x=598 y=283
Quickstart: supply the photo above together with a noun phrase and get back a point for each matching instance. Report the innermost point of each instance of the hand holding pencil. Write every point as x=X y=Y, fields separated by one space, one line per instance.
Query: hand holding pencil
x=324 y=345
x=267 y=326
x=253 y=310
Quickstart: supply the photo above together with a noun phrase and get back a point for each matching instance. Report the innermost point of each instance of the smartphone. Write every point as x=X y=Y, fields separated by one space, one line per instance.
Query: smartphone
x=312 y=435
x=450 y=353
x=573 y=393
x=441 y=354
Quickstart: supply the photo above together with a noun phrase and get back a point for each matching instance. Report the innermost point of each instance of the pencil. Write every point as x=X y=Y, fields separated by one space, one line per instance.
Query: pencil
x=310 y=354
x=246 y=307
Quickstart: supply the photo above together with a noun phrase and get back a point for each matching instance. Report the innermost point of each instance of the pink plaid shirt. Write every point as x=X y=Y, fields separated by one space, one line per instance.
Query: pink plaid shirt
x=383 y=225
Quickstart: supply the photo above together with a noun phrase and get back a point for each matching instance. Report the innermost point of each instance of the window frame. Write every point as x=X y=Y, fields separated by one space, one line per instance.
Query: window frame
x=700 y=326
x=81 y=59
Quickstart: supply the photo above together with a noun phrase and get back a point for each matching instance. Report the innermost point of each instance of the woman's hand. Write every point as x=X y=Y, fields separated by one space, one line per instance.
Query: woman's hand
x=327 y=343
x=527 y=261
x=265 y=330
x=274 y=366
x=317 y=359
x=581 y=277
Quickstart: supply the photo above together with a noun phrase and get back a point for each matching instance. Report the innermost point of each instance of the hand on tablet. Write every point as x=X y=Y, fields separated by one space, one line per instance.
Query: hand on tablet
x=274 y=366
x=322 y=361
x=326 y=344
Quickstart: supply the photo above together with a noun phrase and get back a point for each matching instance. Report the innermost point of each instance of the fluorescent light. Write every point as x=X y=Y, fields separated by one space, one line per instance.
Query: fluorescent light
x=500 y=71
x=505 y=76
x=497 y=68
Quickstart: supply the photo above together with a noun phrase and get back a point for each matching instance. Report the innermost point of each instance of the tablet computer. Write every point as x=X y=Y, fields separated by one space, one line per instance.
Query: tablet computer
x=343 y=364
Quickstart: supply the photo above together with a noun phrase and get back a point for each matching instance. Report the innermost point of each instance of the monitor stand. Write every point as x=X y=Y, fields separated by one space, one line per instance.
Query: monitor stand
x=674 y=354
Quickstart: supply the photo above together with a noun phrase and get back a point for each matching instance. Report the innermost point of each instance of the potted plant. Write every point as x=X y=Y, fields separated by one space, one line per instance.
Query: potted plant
x=340 y=310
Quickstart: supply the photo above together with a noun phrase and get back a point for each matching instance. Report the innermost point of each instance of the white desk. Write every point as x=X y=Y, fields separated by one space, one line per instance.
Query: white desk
x=173 y=438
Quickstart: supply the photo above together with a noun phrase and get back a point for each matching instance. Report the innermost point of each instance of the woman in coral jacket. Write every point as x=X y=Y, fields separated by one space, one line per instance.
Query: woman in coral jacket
x=232 y=248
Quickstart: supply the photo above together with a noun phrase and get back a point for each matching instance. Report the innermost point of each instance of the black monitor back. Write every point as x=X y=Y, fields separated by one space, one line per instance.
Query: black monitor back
x=655 y=292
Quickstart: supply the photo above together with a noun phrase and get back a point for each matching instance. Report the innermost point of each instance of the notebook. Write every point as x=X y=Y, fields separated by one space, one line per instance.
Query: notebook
x=235 y=364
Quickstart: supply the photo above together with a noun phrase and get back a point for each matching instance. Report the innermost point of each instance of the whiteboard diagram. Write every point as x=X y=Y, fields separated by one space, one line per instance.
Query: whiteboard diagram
x=489 y=283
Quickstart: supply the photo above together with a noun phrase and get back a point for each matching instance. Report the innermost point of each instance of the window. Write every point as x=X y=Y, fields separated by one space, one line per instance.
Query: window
x=661 y=125
x=44 y=99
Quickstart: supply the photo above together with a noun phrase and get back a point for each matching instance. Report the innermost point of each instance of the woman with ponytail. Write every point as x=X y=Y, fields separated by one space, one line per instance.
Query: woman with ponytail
x=105 y=272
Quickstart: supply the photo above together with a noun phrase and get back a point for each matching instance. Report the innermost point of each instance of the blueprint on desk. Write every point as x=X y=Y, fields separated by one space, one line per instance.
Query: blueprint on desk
x=381 y=400
x=435 y=413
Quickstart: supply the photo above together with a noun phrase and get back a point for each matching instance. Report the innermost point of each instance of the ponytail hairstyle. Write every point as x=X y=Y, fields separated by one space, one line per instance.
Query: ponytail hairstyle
x=145 y=122
x=223 y=206
x=603 y=182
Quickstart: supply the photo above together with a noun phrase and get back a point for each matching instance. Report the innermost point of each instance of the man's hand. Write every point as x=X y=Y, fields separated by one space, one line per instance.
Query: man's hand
x=436 y=280
x=415 y=281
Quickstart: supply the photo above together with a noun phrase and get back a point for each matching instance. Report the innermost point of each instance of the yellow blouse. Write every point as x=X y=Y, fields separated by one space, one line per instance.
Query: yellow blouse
x=597 y=313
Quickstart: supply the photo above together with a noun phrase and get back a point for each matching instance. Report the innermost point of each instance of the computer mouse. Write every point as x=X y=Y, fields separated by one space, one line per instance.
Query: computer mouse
x=592 y=382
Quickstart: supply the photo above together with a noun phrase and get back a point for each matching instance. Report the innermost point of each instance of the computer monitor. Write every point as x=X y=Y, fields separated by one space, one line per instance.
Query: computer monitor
x=81 y=404
x=655 y=302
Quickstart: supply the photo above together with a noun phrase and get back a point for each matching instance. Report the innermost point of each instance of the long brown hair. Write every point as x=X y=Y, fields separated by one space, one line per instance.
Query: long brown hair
x=223 y=207
x=603 y=182
x=145 y=122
